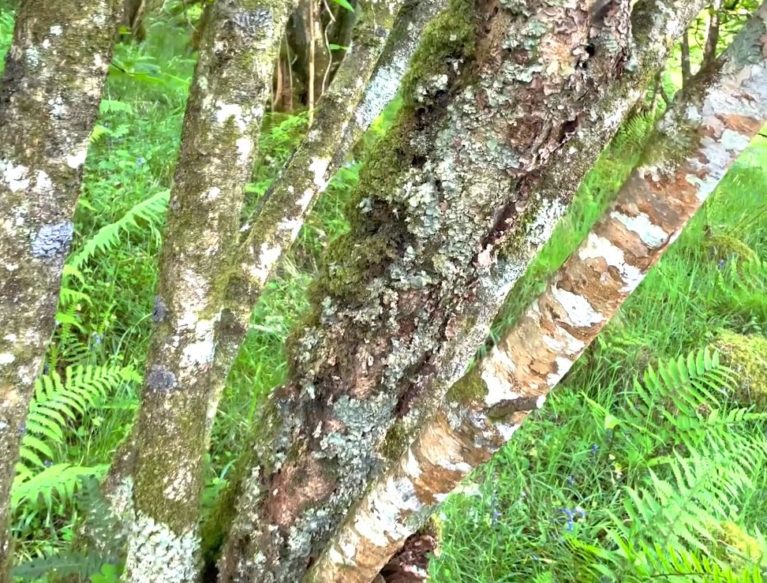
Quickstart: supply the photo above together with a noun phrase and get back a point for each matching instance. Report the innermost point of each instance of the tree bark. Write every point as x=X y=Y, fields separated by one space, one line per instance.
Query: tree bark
x=278 y=219
x=135 y=15
x=491 y=105
x=345 y=112
x=390 y=69
x=49 y=99
x=717 y=117
x=231 y=85
x=712 y=37
x=685 y=59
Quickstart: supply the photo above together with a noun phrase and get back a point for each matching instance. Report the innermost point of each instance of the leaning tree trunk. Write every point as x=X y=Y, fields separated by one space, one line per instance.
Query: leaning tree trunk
x=381 y=49
x=692 y=149
x=160 y=495
x=281 y=213
x=498 y=98
x=48 y=101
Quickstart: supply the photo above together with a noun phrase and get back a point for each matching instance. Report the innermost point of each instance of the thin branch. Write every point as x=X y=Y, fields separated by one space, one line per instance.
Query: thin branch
x=685 y=59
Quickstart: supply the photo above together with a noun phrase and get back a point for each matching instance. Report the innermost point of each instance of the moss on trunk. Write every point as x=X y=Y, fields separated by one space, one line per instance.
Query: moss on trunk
x=48 y=101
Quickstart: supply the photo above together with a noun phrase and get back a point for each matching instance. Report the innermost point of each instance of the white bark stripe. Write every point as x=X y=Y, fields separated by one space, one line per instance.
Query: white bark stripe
x=650 y=211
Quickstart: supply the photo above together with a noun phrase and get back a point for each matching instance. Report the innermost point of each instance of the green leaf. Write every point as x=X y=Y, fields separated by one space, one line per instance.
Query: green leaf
x=345 y=4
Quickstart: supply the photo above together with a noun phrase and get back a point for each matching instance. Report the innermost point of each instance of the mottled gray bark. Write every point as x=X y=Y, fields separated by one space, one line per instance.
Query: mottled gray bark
x=277 y=221
x=49 y=98
x=231 y=84
x=390 y=69
x=498 y=98
x=692 y=149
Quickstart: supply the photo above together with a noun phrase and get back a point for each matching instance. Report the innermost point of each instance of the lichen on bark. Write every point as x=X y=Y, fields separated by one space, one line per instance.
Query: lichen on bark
x=488 y=404
x=276 y=222
x=495 y=93
x=49 y=98
x=231 y=84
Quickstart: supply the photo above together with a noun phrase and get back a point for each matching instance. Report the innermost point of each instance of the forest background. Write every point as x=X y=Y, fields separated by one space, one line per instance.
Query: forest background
x=598 y=484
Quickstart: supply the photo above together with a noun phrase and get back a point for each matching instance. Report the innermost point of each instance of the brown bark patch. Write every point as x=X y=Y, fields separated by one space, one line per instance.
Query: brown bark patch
x=411 y=563
x=294 y=488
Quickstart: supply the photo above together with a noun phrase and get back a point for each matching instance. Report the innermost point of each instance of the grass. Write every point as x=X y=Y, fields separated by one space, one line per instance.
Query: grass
x=562 y=479
x=513 y=521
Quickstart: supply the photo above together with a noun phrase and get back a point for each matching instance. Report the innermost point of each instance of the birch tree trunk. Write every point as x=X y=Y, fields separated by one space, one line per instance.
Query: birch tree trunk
x=49 y=98
x=692 y=149
x=160 y=497
x=497 y=100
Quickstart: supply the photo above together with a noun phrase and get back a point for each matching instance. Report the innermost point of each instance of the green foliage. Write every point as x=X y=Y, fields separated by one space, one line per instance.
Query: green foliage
x=150 y=211
x=65 y=565
x=56 y=408
x=6 y=33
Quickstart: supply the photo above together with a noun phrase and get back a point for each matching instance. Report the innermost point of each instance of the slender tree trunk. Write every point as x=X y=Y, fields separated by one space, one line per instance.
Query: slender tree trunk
x=712 y=37
x=231 y=85
x=49 y=98
x=276 y=223
x=719 y=115
x=491 y=105
x=685 y=59
x=278 y=220
x=135 y=14
x=390 y=69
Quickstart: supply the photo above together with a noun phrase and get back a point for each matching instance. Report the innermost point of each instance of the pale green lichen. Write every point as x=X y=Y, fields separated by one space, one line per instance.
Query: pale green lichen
x=157 y=553
x=747 y=356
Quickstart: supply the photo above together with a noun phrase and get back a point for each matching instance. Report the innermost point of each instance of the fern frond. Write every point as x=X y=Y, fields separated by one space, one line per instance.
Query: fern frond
x=57 y=403
x=151 y=211
x=57 y=480
x=67 y=564
x=114 y=106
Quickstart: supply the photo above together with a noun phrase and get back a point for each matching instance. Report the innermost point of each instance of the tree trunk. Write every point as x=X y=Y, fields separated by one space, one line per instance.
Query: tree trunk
x=720 y=115
x=345 y=112
x=231 y=85
x=712 y=36
x=135 y=14
x=281 y=213
x=685 y=59
x=472 y=168
x=49 y=98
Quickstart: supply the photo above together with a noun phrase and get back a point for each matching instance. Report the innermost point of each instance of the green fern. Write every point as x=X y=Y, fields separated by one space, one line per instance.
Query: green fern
x=692 y=455
x=57 y=404
x=150 y=210
x=681 y=403
x=66 y=564
x=634 y=562
x=57 y=480
x=633 y=134
x=683 y=509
